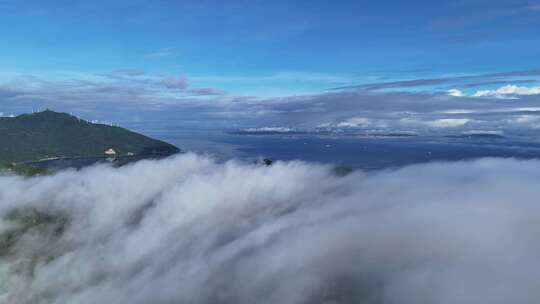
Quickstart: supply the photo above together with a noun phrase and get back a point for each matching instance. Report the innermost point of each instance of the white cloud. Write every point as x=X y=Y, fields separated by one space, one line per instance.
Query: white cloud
x=526 y=121
x=488 y=132
x=189 y=230
x=455 y=93
x=508 y=91
x=108 y=98
x=355 y=122
x=448 y=122
x=457 y=111
x=269 y=129
x=437 y=123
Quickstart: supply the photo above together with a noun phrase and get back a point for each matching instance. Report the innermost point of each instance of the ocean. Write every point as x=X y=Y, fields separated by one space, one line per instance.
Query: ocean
x=358 y=152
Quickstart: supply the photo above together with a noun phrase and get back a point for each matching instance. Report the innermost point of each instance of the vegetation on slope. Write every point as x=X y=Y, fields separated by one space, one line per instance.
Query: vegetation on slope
x=24 y=170
x=49 y=134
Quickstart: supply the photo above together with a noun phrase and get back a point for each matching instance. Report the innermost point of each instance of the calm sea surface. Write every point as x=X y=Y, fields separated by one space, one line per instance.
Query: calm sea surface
x=351 y=151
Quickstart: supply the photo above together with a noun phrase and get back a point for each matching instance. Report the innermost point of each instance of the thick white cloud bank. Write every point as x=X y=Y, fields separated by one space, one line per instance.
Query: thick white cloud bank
x=188 y=230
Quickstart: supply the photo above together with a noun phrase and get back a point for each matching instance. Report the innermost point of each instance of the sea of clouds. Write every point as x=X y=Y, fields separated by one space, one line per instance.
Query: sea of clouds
x=190 y=230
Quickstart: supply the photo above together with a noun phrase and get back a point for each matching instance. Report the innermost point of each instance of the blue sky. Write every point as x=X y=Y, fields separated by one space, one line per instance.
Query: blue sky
x=175 y=53
x=308 y=43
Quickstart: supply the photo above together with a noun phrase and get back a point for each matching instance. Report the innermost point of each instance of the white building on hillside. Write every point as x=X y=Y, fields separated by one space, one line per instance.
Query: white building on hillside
x=110 y=152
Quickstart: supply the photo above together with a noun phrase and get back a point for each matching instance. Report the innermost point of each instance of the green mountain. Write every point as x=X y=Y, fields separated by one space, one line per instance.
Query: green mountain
x=48 y=134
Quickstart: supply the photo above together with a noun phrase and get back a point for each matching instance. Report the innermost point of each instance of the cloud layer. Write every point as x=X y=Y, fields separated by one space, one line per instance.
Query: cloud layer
x=189 y=230
x=508 y=91
x=129 y=95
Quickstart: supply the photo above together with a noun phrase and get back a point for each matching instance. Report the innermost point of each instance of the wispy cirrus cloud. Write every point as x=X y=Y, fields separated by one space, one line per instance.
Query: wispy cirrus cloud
x=534 y=7
x=207 y=92
x=453 y=80
x=111 y=90
x=161 y=53
x=123 y=73
x=496 y=82
x=130 y=72
x=175 y=83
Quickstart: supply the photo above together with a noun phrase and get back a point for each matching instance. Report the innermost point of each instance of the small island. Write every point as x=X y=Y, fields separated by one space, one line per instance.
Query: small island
x=33 y=139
